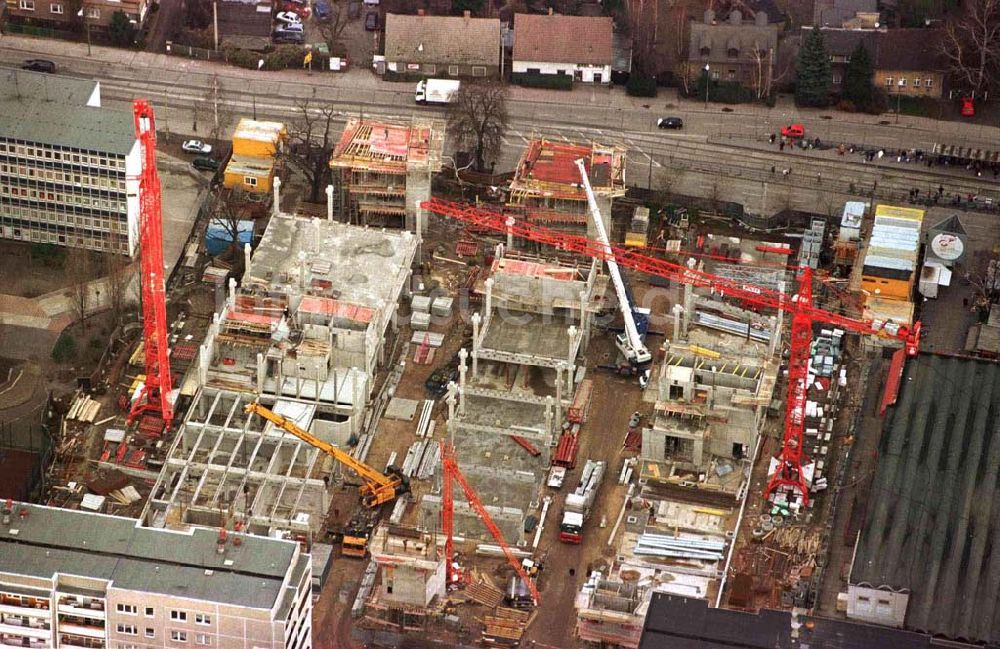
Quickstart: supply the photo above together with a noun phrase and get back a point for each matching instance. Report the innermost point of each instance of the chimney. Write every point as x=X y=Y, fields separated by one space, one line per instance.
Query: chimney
x=550 y=11
x=467 y=15
x=760 y=18
x=709 y=16
x=736 y=17
x=420 y=12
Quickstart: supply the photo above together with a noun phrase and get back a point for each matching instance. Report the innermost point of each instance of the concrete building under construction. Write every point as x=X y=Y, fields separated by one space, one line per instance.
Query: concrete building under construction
x=548 y=189
x=518 y=379
x=382 y=171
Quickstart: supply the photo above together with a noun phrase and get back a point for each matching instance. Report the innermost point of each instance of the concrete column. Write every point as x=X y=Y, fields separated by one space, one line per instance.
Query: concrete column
x=260 y=373
x=572 y=331
x=498 y=251
x=570 y=372
x=246 y=258
x=231 y=303
x=549 y=402
x=276 y=206
x=775 y=340
x=358 y=396
x=510 y=233
x=584 y=322
x=489 y=300
x=450 y=400
x=463 y=368
x=329 y=202
x=476 y=319
x=678 y=309
x=687 y=309
x=303 y=255
x=559 y=390
x=419 y=232
x=203 y=360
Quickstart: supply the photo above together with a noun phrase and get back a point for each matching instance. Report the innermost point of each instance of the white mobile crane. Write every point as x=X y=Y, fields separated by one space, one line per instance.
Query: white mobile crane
x=629 y=343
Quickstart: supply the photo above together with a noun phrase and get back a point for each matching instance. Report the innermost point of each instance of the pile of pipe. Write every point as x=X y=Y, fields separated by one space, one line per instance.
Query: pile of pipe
x=661 y=545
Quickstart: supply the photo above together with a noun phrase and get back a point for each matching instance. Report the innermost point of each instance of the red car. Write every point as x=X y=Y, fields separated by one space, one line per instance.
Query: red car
x=793 y=130
x=301 y=9
x=968 y=108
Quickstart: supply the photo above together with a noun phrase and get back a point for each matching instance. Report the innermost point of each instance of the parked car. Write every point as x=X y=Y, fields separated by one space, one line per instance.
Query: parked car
x=290 y=27
x=322 y=10
x=196 y=146
x=39 y=65
x=670 y=122
x=793 y=130
x=280 y=36
x=204 y=163
x=288 y=17
x=371 y=21
x=354 y=10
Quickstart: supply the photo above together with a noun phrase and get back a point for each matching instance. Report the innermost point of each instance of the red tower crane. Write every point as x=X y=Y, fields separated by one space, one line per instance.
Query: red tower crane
x=155 y=392
x=791 y=459
x=452 y=472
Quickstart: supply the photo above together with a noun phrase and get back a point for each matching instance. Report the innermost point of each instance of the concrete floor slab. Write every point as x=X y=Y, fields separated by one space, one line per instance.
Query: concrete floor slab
x=525 y=333
x=403 y=409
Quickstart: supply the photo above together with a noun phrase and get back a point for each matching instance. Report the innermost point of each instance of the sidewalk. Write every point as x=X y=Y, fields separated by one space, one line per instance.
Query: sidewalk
x=360 y=78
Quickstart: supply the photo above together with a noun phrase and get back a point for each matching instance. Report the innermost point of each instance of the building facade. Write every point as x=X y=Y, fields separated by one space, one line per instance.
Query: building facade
x=80 y=580
x=577 y=46
x=70 y=178
x=442 y=46
x=64 y=16
x=735 y=50
x=910 y=63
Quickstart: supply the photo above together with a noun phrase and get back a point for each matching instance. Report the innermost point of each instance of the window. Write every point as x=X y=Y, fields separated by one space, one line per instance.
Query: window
x=202 y=639
x=27 y=5
x=733 y=52
x=127 y=629
x=453 y=70
x=180 y=616
x=705 y=51
x=928 y=83
x=916 y=83
x=902 y=83
x=430 y=68
x=250 y=181
x=56 y=9
x=201 y=618
x=888 y=81
x=150 y=632
x=127 y=609
x=836 y=79
x=178 y=636
x=478 y=71
x=93 y=12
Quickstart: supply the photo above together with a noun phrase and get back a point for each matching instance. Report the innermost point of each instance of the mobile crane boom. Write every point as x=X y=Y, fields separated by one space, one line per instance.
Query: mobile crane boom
x=377 y=488
x=630 y=343
x=788 y=473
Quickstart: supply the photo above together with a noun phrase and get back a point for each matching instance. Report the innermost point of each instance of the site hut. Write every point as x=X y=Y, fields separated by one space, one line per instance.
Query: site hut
x=518 y=379
x=253 y=164
x=548 y=190
x=69 y=167
x=382 y=172
x=79 y=579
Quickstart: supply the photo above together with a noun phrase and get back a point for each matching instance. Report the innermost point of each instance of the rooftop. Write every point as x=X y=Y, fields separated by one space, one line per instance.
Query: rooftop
x=361 y=266
x=548 y=169
x=458 y=40
x=910 y=49
x=388 y=147
x=250 y=129
x=932 y=507
x=686 y=623
x=182 y=564
x=61 y=111
x=563 y=39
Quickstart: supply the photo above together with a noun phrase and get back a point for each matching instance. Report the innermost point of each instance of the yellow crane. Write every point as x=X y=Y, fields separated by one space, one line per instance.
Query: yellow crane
x=377 y=487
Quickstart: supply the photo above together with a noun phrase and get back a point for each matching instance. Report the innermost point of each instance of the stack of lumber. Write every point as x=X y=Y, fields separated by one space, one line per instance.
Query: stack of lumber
x=505 y=626
x=486 y=594
x=84 y=409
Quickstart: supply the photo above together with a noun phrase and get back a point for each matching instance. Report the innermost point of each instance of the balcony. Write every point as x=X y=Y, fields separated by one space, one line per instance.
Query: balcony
x=81 y=630
x=82 y=611
x=7 y=609
x=71 y=642
x=26 y=631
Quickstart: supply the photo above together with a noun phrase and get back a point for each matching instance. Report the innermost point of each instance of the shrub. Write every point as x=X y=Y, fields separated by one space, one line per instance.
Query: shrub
x=847 y=106
x=65 y=349
x=639 y=85
x=550 y=81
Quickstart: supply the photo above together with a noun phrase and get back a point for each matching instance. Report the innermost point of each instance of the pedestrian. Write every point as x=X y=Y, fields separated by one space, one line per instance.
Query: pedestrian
x=916 y=192
x=818 y=178
x=940 y=189
x=781 y=145
x=772 y=170
x=771 y=138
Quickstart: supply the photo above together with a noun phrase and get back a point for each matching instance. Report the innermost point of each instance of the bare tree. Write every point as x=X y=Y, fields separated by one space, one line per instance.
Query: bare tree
x=334 y=27
x=225 y=214
x=971 y=45
x=477 y=118
x=119 y=273
x=78 y=270
x=311 y=143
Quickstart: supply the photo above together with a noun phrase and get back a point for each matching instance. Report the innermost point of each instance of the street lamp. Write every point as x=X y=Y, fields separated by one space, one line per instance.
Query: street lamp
x=81 y=15
x=707 y=68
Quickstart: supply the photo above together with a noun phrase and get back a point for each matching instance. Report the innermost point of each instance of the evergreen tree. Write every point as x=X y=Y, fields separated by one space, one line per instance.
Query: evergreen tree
x=858 y=88
x=813 y=72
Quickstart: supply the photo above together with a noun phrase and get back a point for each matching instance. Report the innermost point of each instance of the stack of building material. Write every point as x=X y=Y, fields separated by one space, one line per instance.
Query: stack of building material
x=420 y=304
x=825 y=352
x=83 y=409
x=420 y=321
x=215 y=275
x=367 y=583
x=442 y=306
x=681 y=547
x=484 y=593
x=433 y=339
x=424 y=423
x=505 y=627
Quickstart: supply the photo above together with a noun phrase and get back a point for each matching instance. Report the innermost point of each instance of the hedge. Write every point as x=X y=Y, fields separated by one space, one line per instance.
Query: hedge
x=551 y=81
x=640 y=85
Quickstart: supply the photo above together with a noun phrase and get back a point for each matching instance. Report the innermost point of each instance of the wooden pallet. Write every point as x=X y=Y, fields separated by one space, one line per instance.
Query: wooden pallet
x=485 y=594
x=505 y=624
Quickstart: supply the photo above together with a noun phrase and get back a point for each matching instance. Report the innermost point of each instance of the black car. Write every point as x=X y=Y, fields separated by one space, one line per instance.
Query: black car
x=282 y=36
x=670 y=122
x=371 y=21
x=205 y=164
x=39 y=65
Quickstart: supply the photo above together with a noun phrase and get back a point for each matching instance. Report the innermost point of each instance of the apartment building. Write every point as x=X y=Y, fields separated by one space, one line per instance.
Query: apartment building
x=68 y=167
x=79 y=580
x=67 y=16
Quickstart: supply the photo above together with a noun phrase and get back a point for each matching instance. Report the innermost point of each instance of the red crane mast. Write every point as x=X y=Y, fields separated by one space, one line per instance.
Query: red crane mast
x=452 y=472
x=154 y=396
x=791 y=459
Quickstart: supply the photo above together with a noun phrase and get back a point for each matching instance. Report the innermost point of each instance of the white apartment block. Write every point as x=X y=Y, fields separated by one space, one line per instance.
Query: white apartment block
x=77 y=580
x=68 y=167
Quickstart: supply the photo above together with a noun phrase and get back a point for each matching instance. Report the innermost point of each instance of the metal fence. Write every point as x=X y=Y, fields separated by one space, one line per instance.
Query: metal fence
x=45 y=32
x=26 y=441
x=188 y=51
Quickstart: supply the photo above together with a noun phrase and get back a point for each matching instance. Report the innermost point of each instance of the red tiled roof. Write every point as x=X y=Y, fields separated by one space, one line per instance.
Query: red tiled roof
x=335 y=308
x=563 y=39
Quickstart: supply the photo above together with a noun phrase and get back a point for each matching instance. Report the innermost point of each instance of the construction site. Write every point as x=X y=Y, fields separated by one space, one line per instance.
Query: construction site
x=525 y=421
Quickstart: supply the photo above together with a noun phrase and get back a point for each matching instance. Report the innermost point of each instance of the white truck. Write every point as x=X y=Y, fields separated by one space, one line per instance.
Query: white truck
x=436 y=91
x=580 y=502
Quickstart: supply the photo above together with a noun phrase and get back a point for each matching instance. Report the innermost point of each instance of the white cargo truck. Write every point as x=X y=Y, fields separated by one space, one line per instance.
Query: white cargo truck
x=580 y=502
x=436 y=91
